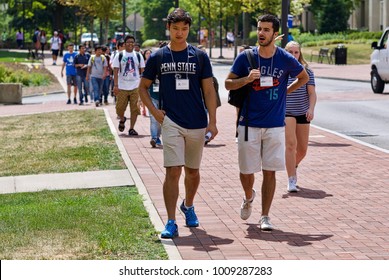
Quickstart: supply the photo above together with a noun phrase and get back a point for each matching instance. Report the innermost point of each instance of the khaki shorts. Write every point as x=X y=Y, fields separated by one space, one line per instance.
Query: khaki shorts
x=125 y=97
x=181 y=146
x=265 y=149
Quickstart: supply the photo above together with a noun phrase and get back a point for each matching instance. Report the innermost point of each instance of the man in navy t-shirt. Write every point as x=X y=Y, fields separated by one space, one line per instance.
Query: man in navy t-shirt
x=183 y=115
x=81 y=62
x=264 y=114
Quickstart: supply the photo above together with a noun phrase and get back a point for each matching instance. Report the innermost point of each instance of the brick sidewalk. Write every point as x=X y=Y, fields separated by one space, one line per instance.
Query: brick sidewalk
x=340 y=212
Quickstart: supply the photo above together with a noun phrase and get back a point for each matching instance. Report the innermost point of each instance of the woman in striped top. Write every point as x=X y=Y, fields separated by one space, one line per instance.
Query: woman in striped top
x=300 y=107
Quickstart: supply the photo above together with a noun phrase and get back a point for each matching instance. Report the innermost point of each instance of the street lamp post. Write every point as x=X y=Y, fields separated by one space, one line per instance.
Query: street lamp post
x=124 y=18
x=221 y=31
x=284 y=22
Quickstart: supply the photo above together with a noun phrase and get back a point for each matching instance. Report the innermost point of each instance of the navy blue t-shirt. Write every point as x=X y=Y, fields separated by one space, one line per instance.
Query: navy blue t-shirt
x=184 y=107
x=81 y=59
x=267 y=103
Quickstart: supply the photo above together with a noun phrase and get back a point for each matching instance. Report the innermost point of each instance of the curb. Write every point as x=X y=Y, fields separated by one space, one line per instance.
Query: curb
x=170 y=247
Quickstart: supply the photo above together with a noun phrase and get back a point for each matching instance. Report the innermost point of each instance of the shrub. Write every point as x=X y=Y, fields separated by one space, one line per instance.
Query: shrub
x=24 y=77
x=150 y=43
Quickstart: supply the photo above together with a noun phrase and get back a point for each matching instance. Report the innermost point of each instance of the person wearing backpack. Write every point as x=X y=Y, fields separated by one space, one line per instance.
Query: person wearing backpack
x=97 y=71
x=128 y=65
x=184 y=85
x=43 y=41
x=55 y=43
x=262 y=146
x=36 y=41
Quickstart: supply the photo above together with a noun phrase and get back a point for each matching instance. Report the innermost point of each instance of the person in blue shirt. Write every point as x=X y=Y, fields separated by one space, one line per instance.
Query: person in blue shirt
x=71 y=73
x=183 y=115
x=264 y=113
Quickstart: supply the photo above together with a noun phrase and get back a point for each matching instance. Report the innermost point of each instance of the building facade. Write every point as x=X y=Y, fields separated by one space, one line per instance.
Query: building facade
x=370 y=15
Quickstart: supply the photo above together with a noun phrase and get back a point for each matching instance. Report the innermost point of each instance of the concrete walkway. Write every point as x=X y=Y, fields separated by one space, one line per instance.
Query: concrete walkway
x=340 y=213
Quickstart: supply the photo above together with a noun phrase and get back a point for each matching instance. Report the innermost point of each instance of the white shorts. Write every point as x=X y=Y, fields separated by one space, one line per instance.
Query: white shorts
x=265 y=149
x=181 y=146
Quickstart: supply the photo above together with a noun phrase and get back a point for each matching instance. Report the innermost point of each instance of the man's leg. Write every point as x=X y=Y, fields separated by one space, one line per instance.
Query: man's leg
x=122 y=99
x=171 y=190
x=68 y=86
x=74 y=82
x=134 y=108
x=268 y=190
x=192 y=182
x=69 y=90
x=79 y=86
x=247 y=181
x=86 y=88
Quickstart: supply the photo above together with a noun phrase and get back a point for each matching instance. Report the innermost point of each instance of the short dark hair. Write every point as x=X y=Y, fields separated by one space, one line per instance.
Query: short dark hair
x=71 y=45
x=271 y=18
x=80 y=46
x=98 y=47
x=120 y=43
x=129 y=37
x=179 y=15
x=104 y=48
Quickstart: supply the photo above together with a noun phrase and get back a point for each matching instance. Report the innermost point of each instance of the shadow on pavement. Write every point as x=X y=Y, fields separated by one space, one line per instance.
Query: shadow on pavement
x=291 y=238
x=201 y=241
x=307 y=193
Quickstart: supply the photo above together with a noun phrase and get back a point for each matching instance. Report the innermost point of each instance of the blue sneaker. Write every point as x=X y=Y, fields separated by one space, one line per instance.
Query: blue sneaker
x=158 y=142
x=171 y=230
x=190 y=216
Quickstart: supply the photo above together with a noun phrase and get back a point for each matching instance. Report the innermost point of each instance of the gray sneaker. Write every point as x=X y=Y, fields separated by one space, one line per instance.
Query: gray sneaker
x=265 y=223
x=246 y=208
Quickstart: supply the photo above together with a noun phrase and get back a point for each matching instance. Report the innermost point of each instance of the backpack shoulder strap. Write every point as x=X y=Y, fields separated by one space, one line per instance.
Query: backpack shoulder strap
x=250 y=57
x=200 y=57
x=159 y=57
x=138 y=57
x=120 y=60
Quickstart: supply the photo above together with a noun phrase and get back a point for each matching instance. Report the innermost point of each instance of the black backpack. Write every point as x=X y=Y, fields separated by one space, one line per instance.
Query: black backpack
x=238 y=96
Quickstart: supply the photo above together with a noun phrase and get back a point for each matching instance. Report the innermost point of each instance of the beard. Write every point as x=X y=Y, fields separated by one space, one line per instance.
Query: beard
x=265 y=42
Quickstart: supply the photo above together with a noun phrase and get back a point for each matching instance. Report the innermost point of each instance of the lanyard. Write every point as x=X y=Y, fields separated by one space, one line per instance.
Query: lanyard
x=176 y=74
x=271 y=64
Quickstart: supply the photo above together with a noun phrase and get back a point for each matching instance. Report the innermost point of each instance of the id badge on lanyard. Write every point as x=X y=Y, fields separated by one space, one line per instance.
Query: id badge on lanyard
x=266 y=81
x=182 y=84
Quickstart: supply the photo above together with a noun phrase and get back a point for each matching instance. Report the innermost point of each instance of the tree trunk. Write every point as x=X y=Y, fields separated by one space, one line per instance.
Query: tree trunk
x=92 y=19
x=58 y=16
x=236 y=30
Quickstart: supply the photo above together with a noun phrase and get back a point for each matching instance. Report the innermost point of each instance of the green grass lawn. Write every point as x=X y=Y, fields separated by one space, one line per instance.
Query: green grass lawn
x=60 y=142
x=356 y=53
x=108 y=223
x=7 y=56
